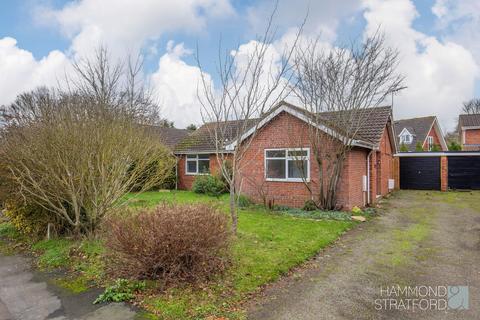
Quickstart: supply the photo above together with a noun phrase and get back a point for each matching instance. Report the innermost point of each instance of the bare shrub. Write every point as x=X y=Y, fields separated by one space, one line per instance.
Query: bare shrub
x=77 y=152
x=171 y=242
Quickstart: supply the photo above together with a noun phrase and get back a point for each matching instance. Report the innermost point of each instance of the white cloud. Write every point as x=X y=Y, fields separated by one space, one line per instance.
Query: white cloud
x=21 y=71
x=440 y=75
x=324 y=16
x=175 y=86
x=125 y=25
x=459 y=21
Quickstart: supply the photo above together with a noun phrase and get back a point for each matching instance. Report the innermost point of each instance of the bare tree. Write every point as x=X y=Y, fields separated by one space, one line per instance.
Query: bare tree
x=249 y=87
x=77 y=152
x=472 y=106
x=338 y=87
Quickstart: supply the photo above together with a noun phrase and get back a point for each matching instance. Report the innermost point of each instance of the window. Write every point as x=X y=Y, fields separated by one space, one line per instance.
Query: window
x=430 y=142
x=287 y=164
x=198 y=164
x=406 y=138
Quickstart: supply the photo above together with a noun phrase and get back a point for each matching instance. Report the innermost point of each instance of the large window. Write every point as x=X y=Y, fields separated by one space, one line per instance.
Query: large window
x=198 y=164
x=287 y=164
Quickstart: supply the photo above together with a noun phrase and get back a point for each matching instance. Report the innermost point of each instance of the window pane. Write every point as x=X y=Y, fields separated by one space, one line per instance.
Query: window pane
x=276 y=169
x=203 y=156
x=297 y=153
x=276 y=154
x=203 y=166
x=191 y=156
x=297 y=169
x=192 y=166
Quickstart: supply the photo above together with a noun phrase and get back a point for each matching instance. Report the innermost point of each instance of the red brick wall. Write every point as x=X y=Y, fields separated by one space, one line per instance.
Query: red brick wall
x=436 y=139
x=185 y=181
x=287 y=131
x=357 y=168
x=472 y=136
x=383 y=159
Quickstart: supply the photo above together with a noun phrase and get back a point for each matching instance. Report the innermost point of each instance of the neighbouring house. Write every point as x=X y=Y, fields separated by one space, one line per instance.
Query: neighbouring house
x=424 y=131
x=469 y=131
x=281 y=139
x=170 y=136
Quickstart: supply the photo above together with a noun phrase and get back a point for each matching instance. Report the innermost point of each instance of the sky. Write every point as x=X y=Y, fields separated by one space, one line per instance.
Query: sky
x=438 y=42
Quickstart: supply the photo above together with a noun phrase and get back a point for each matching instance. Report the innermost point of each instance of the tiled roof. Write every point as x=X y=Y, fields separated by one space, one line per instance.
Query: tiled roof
x=370 y=122
x=418 y=127
x=201 y=139
x=370 y=128
x=170 y=136
x=469 y=120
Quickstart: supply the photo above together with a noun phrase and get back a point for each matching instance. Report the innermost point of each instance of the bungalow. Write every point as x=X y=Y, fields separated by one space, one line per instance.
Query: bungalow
x=280 y=140
x=469 y=131
x=424 y=130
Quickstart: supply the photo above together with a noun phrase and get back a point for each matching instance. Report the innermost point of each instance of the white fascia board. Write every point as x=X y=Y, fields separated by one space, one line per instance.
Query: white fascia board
x=436 y=154
x=471 y=128
x=402 y=133
x=439 y=131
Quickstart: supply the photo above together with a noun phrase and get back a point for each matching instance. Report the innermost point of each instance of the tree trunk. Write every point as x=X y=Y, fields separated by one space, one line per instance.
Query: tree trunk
x=233 y=209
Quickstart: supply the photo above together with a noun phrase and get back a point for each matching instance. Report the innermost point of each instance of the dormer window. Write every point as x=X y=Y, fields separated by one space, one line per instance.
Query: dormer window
x=406 y=137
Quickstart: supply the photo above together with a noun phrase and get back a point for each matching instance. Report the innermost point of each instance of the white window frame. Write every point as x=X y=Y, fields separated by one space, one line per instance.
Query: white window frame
x=430 y=142
x=286 y=158
x=196 y=173
x=404 y=140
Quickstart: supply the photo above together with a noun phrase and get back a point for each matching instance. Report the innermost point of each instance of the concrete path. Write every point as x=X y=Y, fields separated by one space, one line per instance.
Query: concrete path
x=428 y=239
x=25 y=295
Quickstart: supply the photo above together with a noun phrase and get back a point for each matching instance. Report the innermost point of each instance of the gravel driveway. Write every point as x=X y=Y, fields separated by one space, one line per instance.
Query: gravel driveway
x=421 y=241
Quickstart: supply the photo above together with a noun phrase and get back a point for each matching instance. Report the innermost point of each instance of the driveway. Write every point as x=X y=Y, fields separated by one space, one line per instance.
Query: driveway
x=421 y=241
x=27 y=295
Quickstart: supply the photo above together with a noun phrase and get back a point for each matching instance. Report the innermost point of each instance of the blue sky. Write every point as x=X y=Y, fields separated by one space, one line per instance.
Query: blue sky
x=437 y=39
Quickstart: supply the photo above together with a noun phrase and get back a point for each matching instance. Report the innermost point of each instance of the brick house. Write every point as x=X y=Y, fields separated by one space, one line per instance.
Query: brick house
x=469 y=131
x=425 y=130
x=279 y=163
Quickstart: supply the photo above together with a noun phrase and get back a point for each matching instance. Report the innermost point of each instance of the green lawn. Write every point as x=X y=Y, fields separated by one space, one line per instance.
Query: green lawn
x=267 y=246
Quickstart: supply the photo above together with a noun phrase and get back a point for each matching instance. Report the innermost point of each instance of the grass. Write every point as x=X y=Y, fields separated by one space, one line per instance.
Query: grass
x=268 y=245
x=82 y=260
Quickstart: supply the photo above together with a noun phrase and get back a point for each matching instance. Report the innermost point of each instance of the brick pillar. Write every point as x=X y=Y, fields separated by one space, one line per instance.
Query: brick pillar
x=443 y=173
x=396 y=172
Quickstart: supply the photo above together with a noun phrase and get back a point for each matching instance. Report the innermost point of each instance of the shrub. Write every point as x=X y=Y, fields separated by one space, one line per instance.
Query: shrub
x=454 y=146
x=419 y=147
x=121 y=290
x=309 y=205
x=29 y=219
x=244 y=201
x=210 y=185
x=171 y=242
x=228 y=169
x=356 y=210
x=435 y=148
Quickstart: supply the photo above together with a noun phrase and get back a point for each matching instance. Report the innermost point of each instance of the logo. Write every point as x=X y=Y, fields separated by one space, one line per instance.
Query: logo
x=457 y=297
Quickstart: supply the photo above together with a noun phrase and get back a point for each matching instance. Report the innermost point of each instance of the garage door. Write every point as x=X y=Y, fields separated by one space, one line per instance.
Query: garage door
x=420 y=173
x=464 y=172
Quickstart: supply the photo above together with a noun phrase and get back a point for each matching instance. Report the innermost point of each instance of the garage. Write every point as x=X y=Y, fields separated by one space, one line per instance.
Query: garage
x=420 y=173
x=464 y=172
